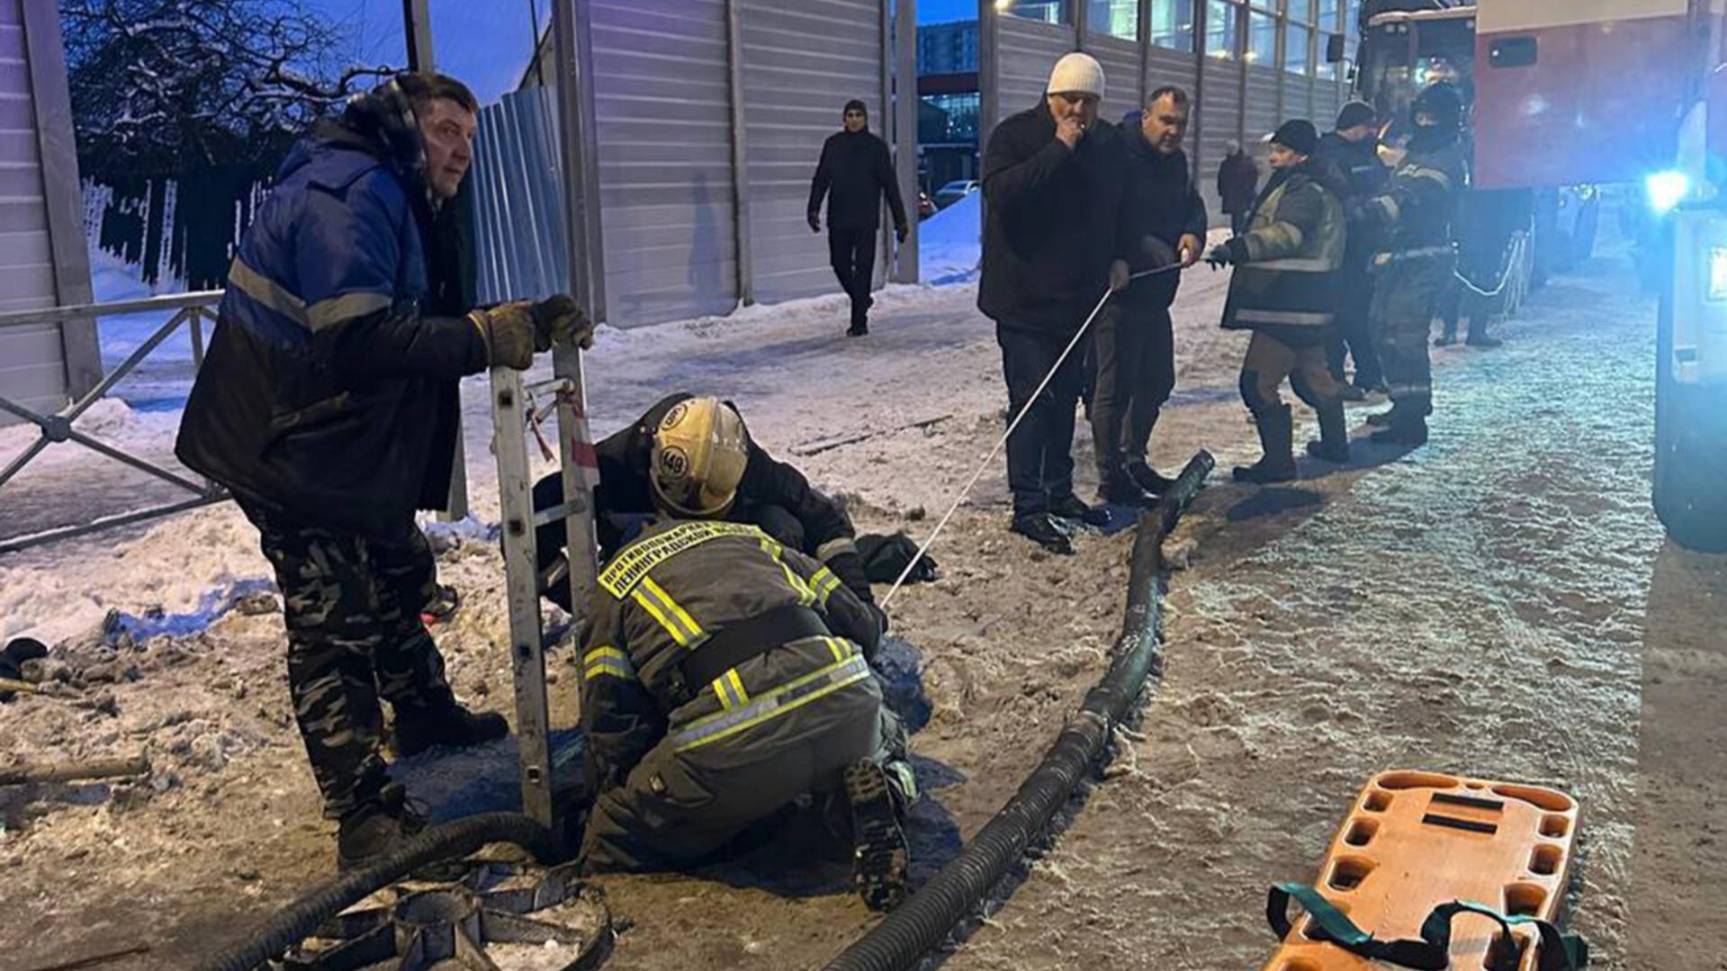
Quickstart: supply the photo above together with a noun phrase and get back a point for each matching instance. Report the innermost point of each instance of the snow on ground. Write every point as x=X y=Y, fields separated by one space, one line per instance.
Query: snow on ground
x=1481 y=605
x=949 y=245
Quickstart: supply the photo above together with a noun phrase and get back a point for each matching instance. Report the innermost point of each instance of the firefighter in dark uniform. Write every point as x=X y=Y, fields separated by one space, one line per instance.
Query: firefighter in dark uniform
x=1284 y=290
x=725 y=675
x=1416 y=211
x=772 y=495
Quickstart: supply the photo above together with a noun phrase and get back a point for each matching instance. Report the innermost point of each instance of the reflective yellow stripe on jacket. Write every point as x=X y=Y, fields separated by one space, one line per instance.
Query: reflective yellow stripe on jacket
x=675 y=619
x=607 y=662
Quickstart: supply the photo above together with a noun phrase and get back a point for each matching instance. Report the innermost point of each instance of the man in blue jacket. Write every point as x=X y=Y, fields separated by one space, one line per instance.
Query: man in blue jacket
x=328 y=406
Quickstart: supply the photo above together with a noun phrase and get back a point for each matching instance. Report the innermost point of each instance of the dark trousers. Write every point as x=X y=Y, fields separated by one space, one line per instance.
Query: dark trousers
x=1134 y=347
x=1404 y=298
x=852 y=253
x=352 y=605
x=1040 y=450
x=1271 y=358
x=1352 y=335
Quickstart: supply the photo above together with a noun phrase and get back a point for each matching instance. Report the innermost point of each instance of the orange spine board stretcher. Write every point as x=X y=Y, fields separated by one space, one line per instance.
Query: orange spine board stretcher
x=1415 y=840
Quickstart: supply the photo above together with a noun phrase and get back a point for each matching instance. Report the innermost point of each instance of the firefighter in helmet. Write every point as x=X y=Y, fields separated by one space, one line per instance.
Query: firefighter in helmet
x=1415 y=211
x=760 y=490
x=725 y=675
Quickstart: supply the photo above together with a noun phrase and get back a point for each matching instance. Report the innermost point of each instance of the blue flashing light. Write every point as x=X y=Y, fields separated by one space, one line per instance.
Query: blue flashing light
x=1667 y=189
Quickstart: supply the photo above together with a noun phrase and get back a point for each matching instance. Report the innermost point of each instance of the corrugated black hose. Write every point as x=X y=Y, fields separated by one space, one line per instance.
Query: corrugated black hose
x=902 y=939
x=446 y=841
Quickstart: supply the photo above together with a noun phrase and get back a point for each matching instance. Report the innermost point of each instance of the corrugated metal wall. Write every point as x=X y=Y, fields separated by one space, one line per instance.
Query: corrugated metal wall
x=1220 y=124
x=32 y=359
x=662 y=103
x=523 y=252
x=1259 y=108
x=1026 y=50
x=802 y=62
x=1120 y=60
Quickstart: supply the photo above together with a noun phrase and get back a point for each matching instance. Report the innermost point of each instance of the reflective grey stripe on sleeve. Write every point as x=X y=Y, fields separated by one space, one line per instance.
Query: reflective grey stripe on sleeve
x=1422 y=172
x=836 y=547
x=326 y=313
x=1295 y=318
x=1390 y=207
x=267 y=292
x=1297 y=264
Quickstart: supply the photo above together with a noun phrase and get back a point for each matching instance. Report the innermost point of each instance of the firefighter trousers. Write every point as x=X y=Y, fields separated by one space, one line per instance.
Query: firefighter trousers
x=1405 y=296
x=681 y=806
x=1300 y=358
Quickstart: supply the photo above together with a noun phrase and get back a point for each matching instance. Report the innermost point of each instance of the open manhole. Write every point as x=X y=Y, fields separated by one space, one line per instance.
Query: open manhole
x=497 y=918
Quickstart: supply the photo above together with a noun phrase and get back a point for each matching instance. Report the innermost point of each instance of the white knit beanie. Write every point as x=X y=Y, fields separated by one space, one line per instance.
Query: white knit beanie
x=1076 y=73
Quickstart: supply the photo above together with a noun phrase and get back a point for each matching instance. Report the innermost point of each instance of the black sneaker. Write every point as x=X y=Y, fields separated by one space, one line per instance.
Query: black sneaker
x=857 y=330
x=1120 y=490
x=1149 y=479
x=1266 y=471
x=455 y=726
x=378 y=827
x=881 y=861
x=1042 y=530
x=1071 y=506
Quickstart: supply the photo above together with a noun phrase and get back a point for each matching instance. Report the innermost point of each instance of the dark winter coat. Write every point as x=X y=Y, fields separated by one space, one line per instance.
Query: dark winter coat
x=329 y=391
x=1366 y=176
x=1052 y=222
x=1286 y=262
x=854 y=173
x=1161 y=202
x=1237 y=182
x=624 y=492
x=1418 y=207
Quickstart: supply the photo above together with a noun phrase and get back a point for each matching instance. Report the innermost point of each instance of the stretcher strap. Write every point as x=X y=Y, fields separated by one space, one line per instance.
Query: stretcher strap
x=1559 y=952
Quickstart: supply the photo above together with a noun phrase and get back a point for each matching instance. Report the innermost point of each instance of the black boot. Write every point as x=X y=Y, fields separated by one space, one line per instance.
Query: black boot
x=1404 y=430
x=1071 y=506
x=881 y=862
x=377 y=827
x=1333 y=444
x=1276 y=429
x=1042 y=530
x=1478 y=337
x=418 y=729
x=1383 y=419
x=1117 y=488
x=1148 y=478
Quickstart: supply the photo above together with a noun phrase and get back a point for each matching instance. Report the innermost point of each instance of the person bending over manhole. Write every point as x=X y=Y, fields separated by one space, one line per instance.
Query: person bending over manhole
x=725 y=675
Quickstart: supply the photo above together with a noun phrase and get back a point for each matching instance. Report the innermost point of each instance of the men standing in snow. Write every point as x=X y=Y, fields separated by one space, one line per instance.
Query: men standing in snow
x=1284 y=290
x=1135 y=337
x=1354 y=148
x=854 y=173
x=1237 y=184
x=328 y=406
x=1053 y=178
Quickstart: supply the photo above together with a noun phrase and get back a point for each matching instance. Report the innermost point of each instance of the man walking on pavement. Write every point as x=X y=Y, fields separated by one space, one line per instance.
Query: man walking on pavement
x=1414 y=265
x=1135 y=343
x=328 y=407
x=1237 y=185
x=854 y=173
x=1053 y=179
x=1354 y=149
x=1283 y=289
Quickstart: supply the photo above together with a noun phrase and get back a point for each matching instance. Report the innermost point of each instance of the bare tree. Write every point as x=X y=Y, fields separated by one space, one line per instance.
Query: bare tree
x=162 y=87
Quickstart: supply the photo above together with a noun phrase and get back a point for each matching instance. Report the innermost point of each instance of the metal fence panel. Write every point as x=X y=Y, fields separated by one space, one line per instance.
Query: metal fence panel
x=803 y=61
x=518 y=199
x=32 y=359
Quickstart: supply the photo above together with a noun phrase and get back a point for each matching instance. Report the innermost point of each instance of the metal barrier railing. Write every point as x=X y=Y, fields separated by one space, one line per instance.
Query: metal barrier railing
x=191 y=309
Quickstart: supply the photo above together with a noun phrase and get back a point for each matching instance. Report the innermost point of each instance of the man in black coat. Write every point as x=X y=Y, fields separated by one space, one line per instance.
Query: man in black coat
x=1053 y=179
x=854 y=173
x=1237 y=186
x=1135 y=350
x=1353 y=147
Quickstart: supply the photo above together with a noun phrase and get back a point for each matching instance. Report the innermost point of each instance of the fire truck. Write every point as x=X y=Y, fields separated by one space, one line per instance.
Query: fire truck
x=1568 y=95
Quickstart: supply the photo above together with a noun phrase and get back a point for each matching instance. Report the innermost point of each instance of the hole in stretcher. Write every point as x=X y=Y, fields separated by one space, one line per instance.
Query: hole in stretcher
x=1377 y=802
x=1553 y=802
x=1348 y=872
x=1298 y=964
x=1555 y=826
x=1361 y=832
x=1311 y=930
x=1524 y=899
x=1417 y=780
x=1545 y=860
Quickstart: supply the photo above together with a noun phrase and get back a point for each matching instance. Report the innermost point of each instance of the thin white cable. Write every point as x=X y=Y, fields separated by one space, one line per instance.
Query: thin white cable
x=987 y=459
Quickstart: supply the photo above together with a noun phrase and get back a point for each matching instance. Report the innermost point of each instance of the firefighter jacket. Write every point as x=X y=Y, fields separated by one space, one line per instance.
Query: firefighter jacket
x=671 y=595
x=1419 y=205
x=1286 y=263
x=330 y=389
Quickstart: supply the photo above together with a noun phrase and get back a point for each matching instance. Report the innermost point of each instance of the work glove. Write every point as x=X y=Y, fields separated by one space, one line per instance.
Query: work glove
x=1223 y=254
x=901 y=231
x=514 y=331
x=559 y=321
x=815 y=220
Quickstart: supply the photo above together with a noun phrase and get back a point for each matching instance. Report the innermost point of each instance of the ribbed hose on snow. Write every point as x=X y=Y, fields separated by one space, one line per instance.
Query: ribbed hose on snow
x=902 y=939
x=446 y=841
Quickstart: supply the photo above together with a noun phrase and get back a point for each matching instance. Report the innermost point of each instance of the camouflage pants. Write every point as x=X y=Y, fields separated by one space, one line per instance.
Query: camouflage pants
x=352 y=608
x=1405 y=296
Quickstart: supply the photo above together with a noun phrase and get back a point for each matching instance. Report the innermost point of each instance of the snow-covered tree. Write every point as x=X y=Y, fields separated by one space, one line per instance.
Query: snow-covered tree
x=165 y=87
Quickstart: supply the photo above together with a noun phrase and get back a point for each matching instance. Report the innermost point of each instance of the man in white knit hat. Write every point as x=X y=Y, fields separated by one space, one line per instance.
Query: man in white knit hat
x=1053 y=182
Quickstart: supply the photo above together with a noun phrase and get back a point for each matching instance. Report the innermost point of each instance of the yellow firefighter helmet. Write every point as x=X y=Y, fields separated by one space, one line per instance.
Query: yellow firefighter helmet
x=700 y=450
